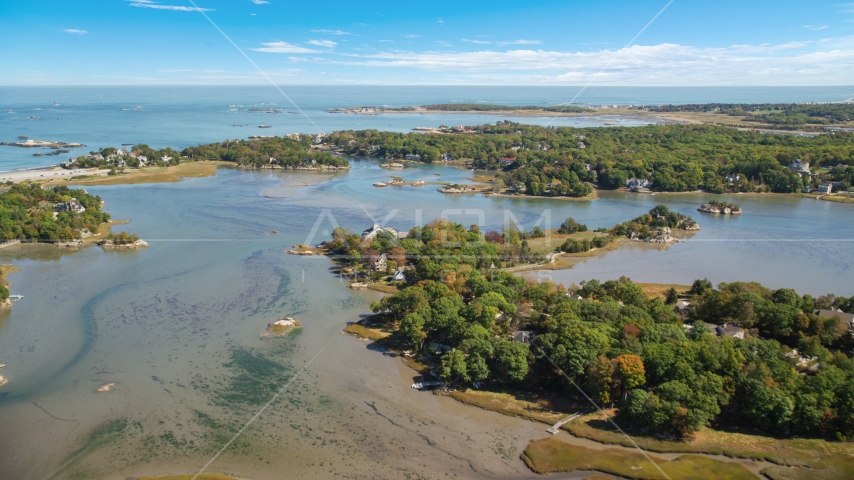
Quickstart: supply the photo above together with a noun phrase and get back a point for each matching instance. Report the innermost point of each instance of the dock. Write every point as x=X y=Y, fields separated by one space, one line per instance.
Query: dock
x=556 y=427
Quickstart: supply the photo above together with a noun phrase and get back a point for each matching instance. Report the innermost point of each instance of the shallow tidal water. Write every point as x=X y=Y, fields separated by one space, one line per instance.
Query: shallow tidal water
x=177 y=326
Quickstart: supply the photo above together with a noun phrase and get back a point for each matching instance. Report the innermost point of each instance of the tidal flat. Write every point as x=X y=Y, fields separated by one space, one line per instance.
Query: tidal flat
x=177 y=327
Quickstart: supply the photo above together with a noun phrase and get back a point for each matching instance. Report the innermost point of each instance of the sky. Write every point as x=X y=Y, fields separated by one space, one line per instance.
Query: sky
x=474 y=42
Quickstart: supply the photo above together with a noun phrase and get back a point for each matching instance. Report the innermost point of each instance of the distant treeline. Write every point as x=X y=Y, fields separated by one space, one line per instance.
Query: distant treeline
x=285 y=152
x=561 y=161
x=771 y=113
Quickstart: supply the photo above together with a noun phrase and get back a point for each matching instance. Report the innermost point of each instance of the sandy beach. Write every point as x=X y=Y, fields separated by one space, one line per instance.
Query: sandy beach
x=46 y=174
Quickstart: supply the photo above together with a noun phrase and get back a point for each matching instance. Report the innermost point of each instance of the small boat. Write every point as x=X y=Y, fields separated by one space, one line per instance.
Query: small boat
x=137 y=108
x=264 y=126
x=34 y=116
x=15 y=298
x=2 y=365
x=380 y=184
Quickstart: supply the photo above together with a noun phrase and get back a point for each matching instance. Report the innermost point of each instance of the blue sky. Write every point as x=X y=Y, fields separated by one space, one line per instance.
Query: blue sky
x=725 y=42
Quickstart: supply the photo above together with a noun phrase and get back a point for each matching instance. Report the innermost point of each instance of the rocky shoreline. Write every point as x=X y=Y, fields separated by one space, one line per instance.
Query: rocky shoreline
x=127 y=246
x=719 y=208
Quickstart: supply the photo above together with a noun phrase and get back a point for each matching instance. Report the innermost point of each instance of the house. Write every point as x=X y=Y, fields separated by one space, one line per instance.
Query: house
x=732 y=178
x=412 y=156
x=581 y=145
x=826 y=188
x=837 y=313
x=380 y=262
x=575 y=296
x=806 y=189
x=588 y=167
x=506 y=161
x=71 y=206
x=165 y=158
x=372 y=232
x=682 y=308
x=399 y=275
x=524 y=336
x=318 y=139
x=294 y=136
x=800 y=360
x=800 y=167
x=638 y=183
x=729 y=330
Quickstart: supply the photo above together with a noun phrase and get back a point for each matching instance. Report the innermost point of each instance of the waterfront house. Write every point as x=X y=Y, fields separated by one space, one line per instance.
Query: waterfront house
x=412 y=156
x=806 y=189
x=732 y=178
x=506 y=161
x=372 y=232
x=826 y=188
x=638 y=183
x=72 y=205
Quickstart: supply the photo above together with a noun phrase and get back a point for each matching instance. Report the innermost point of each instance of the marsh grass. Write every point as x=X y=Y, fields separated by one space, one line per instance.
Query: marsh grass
x=550 y=455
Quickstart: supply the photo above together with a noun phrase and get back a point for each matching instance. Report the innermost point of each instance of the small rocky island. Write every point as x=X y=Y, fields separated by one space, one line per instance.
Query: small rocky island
x=720 y=208
x=122 y=240
x=281 y=327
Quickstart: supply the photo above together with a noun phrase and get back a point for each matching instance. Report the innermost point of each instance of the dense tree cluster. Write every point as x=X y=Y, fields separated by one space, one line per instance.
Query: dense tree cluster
x=122 y=238
x=437 y=251
x=658 y=217
x=285 y=152
x=634 y=352
x=27 y=213
x=550 y=161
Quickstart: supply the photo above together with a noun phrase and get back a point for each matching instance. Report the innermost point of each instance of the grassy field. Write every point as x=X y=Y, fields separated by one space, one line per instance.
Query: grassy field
x=547 y=410
x=204 y=476
x=653 y=290
x=147 y=175
x=372 y=334
x=811 y=457
x=550 y=455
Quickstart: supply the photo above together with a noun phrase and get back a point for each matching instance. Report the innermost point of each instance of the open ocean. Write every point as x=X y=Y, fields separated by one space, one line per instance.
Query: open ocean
x=182 y=116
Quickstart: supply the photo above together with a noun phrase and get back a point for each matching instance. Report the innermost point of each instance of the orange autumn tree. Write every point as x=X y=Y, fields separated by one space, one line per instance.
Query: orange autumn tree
x=630 y=370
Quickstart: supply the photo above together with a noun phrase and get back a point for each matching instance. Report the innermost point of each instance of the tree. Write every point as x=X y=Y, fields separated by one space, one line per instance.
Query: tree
x=672 y=296
x=631 y=371
x=600 y=379
x=511 y=359
x=412 y=327
x=453 y=367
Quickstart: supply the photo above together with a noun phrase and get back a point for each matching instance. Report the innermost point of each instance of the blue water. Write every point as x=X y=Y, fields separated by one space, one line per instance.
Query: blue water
x=182 y=116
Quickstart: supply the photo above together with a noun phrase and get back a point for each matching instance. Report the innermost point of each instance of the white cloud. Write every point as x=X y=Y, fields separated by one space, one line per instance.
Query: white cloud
x=412 y=35
x=793 y=63
x=443 y=44
x=332 y=32
x=386 y=41
x=811 y=27
x=157 y=6
x=259 y=2
x=75 y=31
x=322 y=43
x=480 y=42
x=441 y=21
x=282 y=47
x=521 y=42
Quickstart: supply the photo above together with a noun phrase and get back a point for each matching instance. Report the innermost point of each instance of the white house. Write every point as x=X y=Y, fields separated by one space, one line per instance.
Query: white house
x=372 y=232
x=825 y=188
